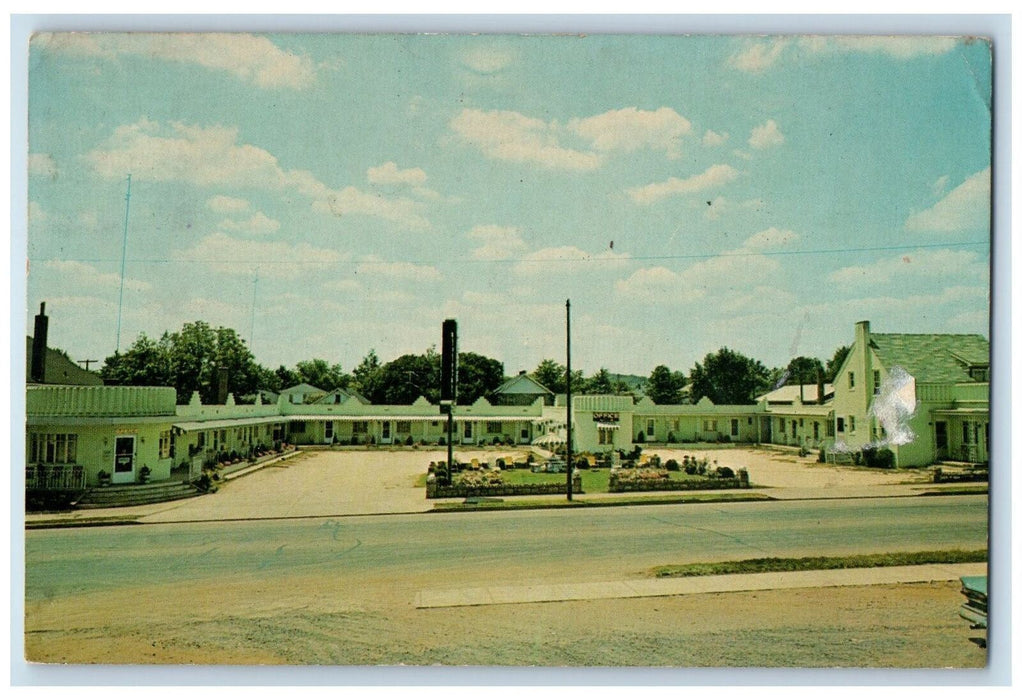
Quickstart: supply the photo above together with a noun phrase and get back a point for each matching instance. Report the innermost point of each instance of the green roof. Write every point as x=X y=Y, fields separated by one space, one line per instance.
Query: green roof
x=930 y=357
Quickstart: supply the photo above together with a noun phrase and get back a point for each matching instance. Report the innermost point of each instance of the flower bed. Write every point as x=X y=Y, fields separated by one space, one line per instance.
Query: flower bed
x=622 y=480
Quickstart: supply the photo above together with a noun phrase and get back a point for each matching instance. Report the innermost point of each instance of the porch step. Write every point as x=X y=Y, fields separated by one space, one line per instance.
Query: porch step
x=136 y=494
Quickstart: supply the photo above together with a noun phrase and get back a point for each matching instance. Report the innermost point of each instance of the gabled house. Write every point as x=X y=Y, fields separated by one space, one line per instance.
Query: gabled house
x=301 y=394
x=522 y=390
x=339 y=396
x=931 y=389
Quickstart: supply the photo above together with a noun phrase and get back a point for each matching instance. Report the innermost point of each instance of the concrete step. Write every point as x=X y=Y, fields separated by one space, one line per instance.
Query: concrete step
x=136 y=494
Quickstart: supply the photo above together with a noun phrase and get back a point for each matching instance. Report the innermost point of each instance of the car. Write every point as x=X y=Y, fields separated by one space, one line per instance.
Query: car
x=974 y=609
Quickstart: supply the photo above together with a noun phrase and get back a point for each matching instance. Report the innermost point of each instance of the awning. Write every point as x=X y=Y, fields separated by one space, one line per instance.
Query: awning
x=608 y=426
x=189 y=426
x=549 y=439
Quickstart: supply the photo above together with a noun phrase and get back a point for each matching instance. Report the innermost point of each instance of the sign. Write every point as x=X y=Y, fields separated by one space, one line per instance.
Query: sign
x=606 y=417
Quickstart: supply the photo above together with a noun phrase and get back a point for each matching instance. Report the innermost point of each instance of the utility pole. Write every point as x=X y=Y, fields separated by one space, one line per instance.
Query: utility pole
x=124 y=251
x=86 y=363
x=567 y=328
x=251 y=325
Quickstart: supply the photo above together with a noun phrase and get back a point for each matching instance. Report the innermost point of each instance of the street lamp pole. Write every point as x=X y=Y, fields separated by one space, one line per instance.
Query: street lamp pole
x=567 y=328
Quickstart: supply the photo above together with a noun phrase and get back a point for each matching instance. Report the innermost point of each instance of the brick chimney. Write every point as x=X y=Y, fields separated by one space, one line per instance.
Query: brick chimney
x=39 y=340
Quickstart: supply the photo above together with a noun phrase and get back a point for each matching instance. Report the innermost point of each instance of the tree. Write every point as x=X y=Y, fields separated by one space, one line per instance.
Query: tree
x=145 y=363
x=365 y=377
x=283 y=378
x=664 y=386
x=478 y=375
x=321 y=374
x=599 y=383
x=405 y=379
x=189 y=360
x=834 y=363
x=728 y=377
x=553 y=376
x=804 y=370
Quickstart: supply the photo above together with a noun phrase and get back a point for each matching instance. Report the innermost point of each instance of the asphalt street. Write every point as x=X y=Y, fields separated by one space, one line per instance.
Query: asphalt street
x=463 y=549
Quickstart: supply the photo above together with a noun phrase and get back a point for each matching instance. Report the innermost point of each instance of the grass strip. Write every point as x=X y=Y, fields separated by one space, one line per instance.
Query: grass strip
x=855 y=561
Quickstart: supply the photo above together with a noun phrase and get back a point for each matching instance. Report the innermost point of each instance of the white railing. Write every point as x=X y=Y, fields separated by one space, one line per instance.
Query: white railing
x=55 y=477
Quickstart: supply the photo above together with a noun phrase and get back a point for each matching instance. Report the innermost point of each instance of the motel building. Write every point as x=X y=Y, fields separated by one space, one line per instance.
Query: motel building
x=78 y=432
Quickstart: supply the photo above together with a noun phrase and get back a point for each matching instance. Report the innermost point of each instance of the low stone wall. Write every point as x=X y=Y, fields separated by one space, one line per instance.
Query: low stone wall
x=433 y=490
x=942 y=477
x=672 y=485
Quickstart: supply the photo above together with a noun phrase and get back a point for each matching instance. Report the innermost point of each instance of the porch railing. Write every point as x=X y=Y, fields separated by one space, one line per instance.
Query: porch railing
x=55 y=477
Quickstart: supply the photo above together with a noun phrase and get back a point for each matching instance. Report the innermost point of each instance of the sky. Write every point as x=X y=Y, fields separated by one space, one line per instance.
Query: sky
x=326 y=195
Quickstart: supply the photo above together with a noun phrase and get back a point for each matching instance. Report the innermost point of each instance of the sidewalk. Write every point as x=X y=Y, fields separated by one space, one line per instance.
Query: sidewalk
x=731 y=583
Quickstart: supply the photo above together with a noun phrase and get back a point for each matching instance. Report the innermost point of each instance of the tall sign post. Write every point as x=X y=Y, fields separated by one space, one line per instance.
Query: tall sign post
x=449 y=384
x=567 y=328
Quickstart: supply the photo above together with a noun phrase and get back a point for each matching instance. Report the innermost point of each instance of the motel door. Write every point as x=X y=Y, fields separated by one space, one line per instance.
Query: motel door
x=941 y=430
x=385 y=433
x=124 y=460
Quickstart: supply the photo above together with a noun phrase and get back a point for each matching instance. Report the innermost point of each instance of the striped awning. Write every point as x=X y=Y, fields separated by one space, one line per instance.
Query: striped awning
x=608 y=426
x=189 y=426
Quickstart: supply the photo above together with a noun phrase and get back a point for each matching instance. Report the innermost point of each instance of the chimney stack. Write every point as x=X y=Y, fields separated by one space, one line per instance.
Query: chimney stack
x=39 y=340
x=221 y=386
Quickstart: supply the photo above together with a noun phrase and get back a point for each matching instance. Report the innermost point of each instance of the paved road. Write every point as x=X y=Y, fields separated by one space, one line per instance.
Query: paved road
x=462 y=549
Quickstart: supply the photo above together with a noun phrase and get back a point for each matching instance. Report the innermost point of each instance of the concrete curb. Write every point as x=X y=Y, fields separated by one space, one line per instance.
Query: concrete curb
x=731 y=583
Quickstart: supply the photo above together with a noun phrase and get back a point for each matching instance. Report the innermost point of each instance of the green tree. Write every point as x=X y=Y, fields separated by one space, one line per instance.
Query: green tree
x=405 y=379
x=283 y=378
x=834 y=363
x=728 y=377
x=145 y=363
x=553 y=376
x=366 y=377
x=321 y=374
x=599 y=383
x=664 y=386
x=478 y=375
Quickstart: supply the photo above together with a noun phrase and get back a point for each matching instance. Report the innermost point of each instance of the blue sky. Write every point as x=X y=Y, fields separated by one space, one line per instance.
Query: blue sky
x=325 y=195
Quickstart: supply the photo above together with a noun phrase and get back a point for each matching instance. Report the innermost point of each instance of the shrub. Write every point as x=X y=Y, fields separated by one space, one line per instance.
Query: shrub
x=670 y=437
x=641 y=437
x=803 y=450
x=409 y=441
x=822 y=457
x=723 y=438
x=671 y=465
x=442 y=441
x=874 y=457
x=724 y=473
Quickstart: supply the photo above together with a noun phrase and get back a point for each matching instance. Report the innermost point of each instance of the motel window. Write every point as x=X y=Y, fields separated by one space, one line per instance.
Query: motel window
x=525 y=433
x=53 y=448
x=298 y=426
x=605 y=436
x=734 y=427
x=709 y=426
x=165 y=444
x=674 y=424
x=750 y=421
x=650 y=428
x=201 y=440
x=494 y=426
x=404 y=426
x=468 y=429
x=794 y=425
x=876 y=381
x=840 y=424
x=360 y=426
x=851 y=424
x=781 y=423
x=851 y=380
x=965 y=433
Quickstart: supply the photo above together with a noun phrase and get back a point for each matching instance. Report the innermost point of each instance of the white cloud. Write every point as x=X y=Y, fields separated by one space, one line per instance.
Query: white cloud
x=487 y=59
x=925 y=264
x=771 y=238
x=966 y=207
x=254 y=59
x=223 y=204
x=568 y=259
x=373 y=267
x=714 y=176
x=212 y=157
x=43 y=165
x=345 y=286
x=652 y=285
x=758 y=56
x=235 y=256
x=497 y=242
x=766 y=135
x=75 y=274
x=712 y=138
x=720 y=206
x=899 y=47
x=258 y=223
x=514 y=137
x=390 y=174
x=630 y=129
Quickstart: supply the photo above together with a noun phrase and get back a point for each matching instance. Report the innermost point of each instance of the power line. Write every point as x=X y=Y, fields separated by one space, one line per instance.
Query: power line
x=623 y=258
